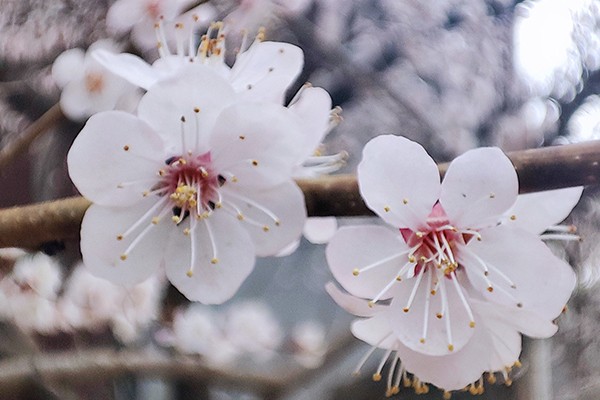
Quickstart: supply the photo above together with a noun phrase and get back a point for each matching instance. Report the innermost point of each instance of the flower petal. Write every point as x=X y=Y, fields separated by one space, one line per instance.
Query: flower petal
x=357 y=247
x=442 y=337
x=129 y=67
x=453 y=371
x=102 y=250
x=273 y=217
x=68 y=66
x=320 y=230
x=399 y=181
x=257 y=143
x=313 y=107
x=376 y=331
x=210 y=283
x=168 y=102
x=536 y=212
x=353 y=305
x=266 y=70
x=115 y=158
x=543 y=283
x=478 y=188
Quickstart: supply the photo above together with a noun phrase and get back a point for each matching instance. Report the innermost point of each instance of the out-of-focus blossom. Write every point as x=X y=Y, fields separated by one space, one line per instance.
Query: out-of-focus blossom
x=88 y=87
x=199 y=182
x=310 y=343
x=140 y=16
x=455 y=274
x=251 y=15
x=251 y=327
x=28 y=295
x=91 y=303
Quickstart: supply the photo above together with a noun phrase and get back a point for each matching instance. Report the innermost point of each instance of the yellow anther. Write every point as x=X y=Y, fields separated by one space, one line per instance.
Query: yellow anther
x=240 y=217
x=386 y=209
x=119 y=237
x=190 y=273
x=277 y=223
x=371 y=304
x=265 y=228
x=439 y=315
x=242 y=137
x=450 y=347
x=491 y=378
x=123 y=257
x=508 y=382
x=406 y=382
x=433 y=292
x=126 y=148
x=395 y=389
x=490 y=289
x=155 y=220
x=214 y=261
x=422 y=340
x=420 y=234
x=406 y=309
x=399 y=278
x=355 y=272
x=517 y=364
x=376 y=377
x=186 y=231
x=447 y=395
x=175 y=219
x=255 y=163
x=196 y=110
x=404 y=201
x=513 y=217
x=411 y=259
x=472 y=324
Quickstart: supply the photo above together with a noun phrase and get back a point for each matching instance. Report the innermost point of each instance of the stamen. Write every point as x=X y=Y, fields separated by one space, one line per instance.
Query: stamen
x=463 y=299
x=560 y=236
x=382 y=261
x=413 y=292
x=193 y=225
x=364 y=359
x=377 y=374
x=147 y=215
x=258 y=206
x=426 y=310
x=136 y=241
x=213 y=244
x=446 y=312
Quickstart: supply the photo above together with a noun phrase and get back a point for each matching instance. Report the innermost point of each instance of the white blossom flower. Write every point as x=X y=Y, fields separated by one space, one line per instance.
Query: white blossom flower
x=92 y=303
x=87 y=86
x=140 y=16
x=455 y=274
x=252 y=328
x=309 y=339
x=198 y=182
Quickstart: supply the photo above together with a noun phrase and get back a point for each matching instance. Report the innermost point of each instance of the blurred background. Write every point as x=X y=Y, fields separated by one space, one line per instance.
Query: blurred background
x=450 y=74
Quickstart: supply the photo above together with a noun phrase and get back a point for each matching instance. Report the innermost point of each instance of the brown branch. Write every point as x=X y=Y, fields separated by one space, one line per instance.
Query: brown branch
x=21 y=143
x=538 y=170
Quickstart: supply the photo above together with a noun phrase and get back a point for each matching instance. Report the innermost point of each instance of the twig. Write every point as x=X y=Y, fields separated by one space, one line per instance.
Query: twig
x=538 y=170
x=21 y=143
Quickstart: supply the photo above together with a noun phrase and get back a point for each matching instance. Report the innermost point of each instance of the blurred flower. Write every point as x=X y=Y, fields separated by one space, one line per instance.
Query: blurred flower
x=311 y=346
x=250 y=15
x=91 y=303
x=455 y=274
x=28 y=294
x=88 y=87
x=140 y=16
x=198 y=182
x=251 y=327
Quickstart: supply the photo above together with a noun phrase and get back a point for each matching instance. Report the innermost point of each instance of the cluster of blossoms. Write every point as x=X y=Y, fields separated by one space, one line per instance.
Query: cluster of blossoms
x=199 y=181
x=245 y=329
x=34 y=297
x=448 y=292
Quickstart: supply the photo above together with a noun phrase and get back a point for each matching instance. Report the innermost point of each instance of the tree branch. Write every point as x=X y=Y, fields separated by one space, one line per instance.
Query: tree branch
x=338 y=195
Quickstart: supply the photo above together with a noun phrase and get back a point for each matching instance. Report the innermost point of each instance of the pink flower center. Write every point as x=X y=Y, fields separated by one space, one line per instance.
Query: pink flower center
x=191 y=185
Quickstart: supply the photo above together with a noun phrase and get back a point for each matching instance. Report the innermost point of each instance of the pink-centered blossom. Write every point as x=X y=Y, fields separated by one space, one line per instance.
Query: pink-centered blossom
x=453 y=279
x=198 y=182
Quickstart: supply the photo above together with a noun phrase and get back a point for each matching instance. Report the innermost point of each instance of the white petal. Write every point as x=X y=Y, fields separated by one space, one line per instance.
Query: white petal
x=398 y=175
x=262 y=208
x=543 y=282
x=68 y=66
x=478 y=188
x=103 y=170
x=536 y=212
x=256 y=142
x=356 y=247
x=409 y=326
x=320 y=230
x=129 y=67
x=453 y=371
x=266 y=70
x=353 y=305
x=122 y=15
x=102 y=251
x=313 y=107
x=376 y=331
x=168 y=101
x=75 y=101
x=211 y=283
